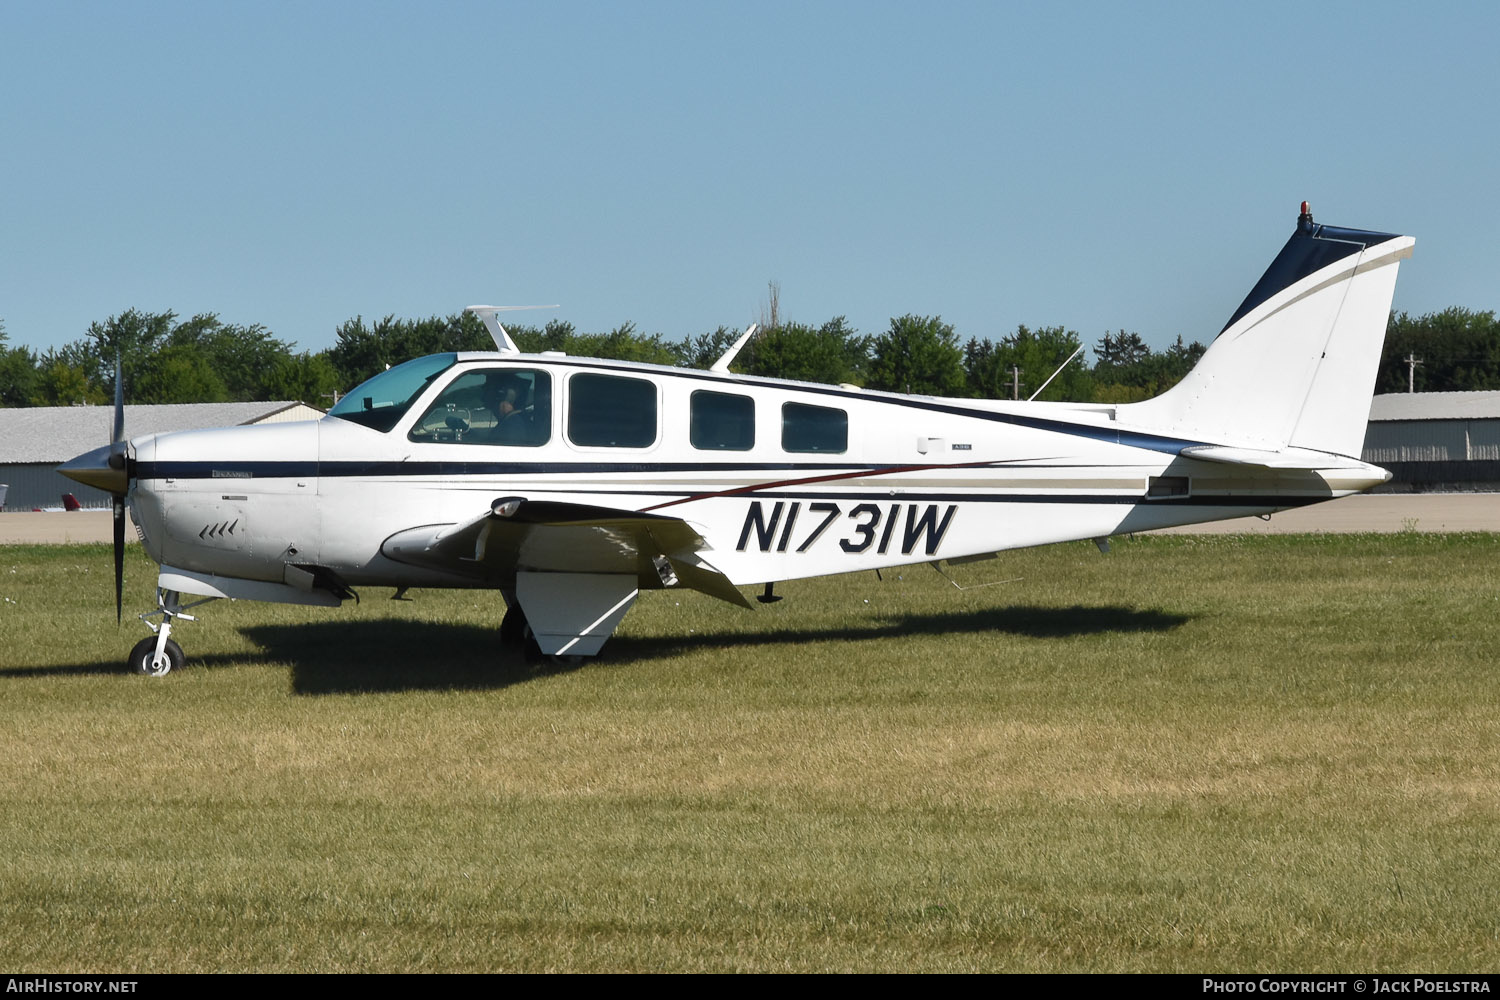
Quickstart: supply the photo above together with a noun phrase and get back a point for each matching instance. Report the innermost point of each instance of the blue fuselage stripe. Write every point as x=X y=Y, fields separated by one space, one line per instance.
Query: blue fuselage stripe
x=240 y=472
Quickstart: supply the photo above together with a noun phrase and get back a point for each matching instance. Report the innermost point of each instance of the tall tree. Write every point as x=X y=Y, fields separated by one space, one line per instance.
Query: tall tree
x=624 y=343
x=177 y=373
x=1120 y=350
x=1030 y=357
x=833 y=353
x=202 y=359
x=557 y=335
x=1459 y=349
x=918 y=354
x=978 y=368
x=60 y=382
x=363 y=349
x=18 y=373
x=134 y=336
x=706 y=348
x=241 y=357
x=310 y=378
x=1128 y=370
x=1179 y=360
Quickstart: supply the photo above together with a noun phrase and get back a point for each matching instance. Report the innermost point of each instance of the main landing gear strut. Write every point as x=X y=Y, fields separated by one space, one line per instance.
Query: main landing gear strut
x=157 y=655
x=516 y=631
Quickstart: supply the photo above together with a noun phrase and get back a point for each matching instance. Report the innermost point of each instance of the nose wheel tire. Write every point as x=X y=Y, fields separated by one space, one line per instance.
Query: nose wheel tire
x=144 y=653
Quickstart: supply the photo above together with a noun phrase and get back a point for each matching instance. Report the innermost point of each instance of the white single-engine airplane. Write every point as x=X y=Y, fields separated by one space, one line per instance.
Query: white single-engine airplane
x=571 y=484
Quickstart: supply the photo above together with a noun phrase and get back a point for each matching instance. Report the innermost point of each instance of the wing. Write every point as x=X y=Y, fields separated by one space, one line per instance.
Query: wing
x=544 y=536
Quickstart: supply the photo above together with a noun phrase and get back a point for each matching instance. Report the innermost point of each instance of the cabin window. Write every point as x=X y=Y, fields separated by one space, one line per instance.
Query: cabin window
x=813 y=428
x=721 y=421
x=608 y=411
x=382 y=401
x=508 y=406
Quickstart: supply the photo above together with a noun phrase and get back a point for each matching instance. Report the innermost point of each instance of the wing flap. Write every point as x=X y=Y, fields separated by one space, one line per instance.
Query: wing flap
x=546 y=536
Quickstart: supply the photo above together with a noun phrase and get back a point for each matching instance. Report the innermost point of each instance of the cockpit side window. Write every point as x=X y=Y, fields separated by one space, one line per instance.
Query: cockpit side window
x=505 y=406
x=382 y=401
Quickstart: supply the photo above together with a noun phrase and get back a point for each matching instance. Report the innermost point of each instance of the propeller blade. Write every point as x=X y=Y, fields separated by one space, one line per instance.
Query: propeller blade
x=119 y=431
x=117 y=449
x=119 y=508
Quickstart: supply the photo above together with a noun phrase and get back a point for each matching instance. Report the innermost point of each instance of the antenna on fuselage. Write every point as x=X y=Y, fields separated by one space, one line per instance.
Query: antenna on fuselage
x=722 y=365
x=1054 y=375
x=489 y=315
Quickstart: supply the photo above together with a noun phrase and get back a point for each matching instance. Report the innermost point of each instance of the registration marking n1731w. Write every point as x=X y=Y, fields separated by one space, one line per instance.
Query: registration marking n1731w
x=924 y=526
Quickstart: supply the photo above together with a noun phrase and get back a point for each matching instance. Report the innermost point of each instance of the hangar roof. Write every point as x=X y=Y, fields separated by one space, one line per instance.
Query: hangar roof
x=1436 y=406
x=57 y=433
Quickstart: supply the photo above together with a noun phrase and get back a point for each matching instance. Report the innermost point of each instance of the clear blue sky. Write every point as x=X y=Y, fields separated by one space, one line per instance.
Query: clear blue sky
x=1097 y=166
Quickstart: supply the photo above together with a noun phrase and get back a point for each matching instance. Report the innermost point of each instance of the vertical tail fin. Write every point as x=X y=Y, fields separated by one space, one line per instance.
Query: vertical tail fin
x=1295 y=365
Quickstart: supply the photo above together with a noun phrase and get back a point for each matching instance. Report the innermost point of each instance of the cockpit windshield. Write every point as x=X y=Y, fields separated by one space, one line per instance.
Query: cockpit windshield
x=381 y=401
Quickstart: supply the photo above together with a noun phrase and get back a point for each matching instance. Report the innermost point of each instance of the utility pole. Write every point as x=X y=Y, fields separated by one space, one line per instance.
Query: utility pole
x=1411 y=372
x=1015 y=382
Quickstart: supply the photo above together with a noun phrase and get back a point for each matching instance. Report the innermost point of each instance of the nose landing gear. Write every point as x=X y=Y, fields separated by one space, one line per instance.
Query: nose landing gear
x=159 y=655
x=155 y=656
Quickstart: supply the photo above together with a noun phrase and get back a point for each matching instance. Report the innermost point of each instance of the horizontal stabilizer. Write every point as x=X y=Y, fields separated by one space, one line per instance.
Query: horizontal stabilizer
x=1289 y=458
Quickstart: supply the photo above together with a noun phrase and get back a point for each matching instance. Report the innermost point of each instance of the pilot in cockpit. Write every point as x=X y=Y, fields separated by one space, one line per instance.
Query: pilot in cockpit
x=504 y=396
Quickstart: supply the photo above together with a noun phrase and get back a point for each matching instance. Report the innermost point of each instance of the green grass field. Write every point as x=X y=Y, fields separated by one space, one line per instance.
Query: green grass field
x=1196 y=753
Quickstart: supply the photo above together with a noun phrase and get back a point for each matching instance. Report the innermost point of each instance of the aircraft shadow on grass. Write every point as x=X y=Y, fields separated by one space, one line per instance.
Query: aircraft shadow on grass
x=394 y=655
x=379 y=657
x=100 y=669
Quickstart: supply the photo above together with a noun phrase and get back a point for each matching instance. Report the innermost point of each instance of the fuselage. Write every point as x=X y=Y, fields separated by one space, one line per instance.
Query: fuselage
x=782 y=479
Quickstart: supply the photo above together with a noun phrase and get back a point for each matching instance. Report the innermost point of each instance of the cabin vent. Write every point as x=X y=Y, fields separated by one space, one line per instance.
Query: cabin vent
x=1161 y=487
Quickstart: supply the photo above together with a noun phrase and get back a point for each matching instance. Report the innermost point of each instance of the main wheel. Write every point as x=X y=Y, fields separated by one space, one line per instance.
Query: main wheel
x=145 y=651
x=513 y=630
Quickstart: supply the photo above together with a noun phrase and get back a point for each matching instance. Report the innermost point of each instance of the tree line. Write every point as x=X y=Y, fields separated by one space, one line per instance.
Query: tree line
x=204 y=359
